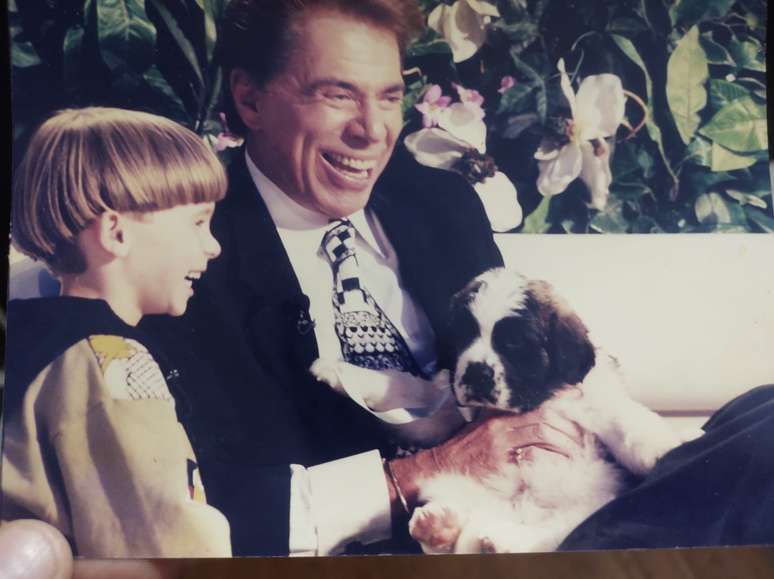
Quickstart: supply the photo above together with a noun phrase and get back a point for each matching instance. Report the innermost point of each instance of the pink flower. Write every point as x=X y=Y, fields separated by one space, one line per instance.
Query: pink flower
x=506 y=83
x=469 y=95
x=225 y=139
x=432 y=103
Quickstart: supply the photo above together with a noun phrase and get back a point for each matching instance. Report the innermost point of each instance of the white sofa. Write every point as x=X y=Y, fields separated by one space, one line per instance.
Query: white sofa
x=690 y=317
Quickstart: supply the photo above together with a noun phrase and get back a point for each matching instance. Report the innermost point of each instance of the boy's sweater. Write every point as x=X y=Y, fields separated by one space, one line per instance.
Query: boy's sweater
x=92 y=442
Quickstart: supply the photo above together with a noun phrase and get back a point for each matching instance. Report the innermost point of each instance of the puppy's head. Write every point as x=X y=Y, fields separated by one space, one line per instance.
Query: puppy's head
x=512 y=343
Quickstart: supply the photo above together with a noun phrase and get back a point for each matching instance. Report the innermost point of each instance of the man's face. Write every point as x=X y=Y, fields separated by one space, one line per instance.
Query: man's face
x=327 y=125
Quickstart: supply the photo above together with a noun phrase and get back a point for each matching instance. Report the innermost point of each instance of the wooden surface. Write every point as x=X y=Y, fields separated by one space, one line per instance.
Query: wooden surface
x=728 y=563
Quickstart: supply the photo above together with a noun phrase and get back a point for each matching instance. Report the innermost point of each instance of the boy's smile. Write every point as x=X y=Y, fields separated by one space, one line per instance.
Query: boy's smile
x=169 y=253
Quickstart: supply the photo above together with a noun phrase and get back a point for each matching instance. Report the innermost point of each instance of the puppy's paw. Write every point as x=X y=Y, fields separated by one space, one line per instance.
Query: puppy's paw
x=442 y=379
x=645 y=450
x=327 y=371
x=436 y=527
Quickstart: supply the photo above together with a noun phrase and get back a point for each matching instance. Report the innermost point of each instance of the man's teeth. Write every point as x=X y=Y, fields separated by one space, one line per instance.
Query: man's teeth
x=358 y=167
x=193 y=276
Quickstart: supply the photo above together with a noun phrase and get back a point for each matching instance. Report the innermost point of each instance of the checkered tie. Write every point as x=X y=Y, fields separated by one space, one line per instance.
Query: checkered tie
x=368 y=338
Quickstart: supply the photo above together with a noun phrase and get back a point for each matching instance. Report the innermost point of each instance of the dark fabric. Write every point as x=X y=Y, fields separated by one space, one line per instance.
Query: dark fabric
x=42 y=329
x=715 y=490
x=246 y=341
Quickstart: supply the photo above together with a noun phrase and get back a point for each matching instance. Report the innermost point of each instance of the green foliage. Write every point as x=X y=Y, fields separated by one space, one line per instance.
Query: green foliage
x=697 y=160
x=687 y=73
x=155 y=55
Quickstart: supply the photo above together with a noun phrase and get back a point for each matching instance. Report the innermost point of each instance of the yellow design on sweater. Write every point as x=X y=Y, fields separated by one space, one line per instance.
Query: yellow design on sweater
x=130 y=372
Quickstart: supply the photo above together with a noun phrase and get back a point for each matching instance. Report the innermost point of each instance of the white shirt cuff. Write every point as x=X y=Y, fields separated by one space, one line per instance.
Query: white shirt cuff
x=350 y=502
x=303 y=531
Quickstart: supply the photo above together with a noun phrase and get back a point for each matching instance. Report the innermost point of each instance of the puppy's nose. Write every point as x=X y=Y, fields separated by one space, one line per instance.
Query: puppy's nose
x=479 y=377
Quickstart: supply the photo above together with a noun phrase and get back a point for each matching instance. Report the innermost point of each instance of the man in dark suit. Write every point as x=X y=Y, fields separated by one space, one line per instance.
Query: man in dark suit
x=316 y=90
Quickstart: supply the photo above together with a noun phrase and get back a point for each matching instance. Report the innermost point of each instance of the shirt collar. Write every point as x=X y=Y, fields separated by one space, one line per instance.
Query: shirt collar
x=288 y=214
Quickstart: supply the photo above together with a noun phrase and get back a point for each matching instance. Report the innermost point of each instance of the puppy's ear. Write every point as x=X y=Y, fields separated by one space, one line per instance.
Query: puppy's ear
x=570 y=350
x=460 y=326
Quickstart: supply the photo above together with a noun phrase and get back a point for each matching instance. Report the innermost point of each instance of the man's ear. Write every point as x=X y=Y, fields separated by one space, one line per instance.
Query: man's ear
x=247 y=98
x=113 y=233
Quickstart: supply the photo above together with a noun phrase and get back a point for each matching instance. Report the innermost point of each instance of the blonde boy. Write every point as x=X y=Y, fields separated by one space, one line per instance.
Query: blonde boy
x=118 y=204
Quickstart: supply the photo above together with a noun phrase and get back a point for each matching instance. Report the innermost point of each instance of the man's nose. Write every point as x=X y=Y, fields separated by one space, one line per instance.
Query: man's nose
x=370 y=123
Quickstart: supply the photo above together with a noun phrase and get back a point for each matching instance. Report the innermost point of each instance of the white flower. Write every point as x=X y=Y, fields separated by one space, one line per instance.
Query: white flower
x=463 y=25
x=597 y=111
x=440 y=149
x=501 y=202
x=465 y=122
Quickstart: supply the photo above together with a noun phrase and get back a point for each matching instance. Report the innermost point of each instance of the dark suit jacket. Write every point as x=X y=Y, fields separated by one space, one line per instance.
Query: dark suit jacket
x=246 y=341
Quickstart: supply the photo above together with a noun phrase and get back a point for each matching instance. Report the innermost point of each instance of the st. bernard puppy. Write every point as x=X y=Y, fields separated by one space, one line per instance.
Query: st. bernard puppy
x=514 y=345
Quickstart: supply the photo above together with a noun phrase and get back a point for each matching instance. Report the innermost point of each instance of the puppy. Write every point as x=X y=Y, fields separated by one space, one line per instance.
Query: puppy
x=513 y=345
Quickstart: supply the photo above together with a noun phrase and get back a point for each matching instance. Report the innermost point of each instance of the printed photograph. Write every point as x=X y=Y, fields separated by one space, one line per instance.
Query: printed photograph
x=337 y=277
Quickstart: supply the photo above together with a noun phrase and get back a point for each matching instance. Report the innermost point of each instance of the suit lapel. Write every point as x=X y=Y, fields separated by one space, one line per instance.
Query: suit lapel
x=262 y=266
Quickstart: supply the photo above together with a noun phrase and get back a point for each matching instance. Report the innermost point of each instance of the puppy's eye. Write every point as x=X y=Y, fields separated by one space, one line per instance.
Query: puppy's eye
x=514 y=344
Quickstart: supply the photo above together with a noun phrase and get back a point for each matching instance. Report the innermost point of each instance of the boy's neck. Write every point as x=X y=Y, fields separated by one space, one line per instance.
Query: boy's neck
x=86 y=286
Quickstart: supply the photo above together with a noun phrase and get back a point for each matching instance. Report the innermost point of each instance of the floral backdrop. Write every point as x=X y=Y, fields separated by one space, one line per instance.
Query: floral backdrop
x=607 y=116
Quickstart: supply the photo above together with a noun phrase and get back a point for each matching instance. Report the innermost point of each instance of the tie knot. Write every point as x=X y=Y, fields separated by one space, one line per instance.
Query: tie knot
x=339 y=240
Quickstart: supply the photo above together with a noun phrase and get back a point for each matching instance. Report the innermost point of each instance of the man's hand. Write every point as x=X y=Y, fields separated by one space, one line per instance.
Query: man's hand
x=35 y=550
x=483 y=448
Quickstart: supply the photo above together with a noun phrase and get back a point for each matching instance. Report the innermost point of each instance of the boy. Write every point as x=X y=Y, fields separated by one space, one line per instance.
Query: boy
x=118 y=205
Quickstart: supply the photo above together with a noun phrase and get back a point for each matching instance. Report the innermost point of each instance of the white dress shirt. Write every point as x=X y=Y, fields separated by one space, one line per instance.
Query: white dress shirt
x=318 y=522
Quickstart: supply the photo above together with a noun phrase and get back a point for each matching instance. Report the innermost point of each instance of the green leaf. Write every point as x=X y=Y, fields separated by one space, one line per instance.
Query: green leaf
x=725 y=160
x=686 y=13
x=185 y=46
x=158 y=83
x=655 y=14
x=517 y=124
x=723 y=92
x=23 y=54
x=747 y=199
x=72 y=53
x=514 y=97
x=520 y=34
x=712 y=209
x=699 y=151
x=210 y=29
x=624 y=160
x=610 y=220
x=760 y=219
x=541 y=99
x=747 y=54
x=716 y=53
x=536 y=221
x=626 y=25
x=628 y=48
x=630 y=191
x=645 y=224
x=687 y=71
x=436 y=46
x=126 y=37
x=740 y=126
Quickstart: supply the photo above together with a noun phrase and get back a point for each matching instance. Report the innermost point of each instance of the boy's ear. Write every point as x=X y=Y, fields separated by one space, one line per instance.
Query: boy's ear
x=113 y=233
x=247 y=98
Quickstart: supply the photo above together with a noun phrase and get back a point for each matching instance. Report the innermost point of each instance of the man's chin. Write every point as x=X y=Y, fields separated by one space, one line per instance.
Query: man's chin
x=345 y=205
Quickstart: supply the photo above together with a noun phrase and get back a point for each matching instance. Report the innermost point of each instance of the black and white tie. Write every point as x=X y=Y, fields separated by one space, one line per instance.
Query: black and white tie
x=368 y=338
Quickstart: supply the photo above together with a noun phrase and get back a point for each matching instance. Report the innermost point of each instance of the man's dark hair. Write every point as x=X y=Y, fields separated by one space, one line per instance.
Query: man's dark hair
x=257 y=35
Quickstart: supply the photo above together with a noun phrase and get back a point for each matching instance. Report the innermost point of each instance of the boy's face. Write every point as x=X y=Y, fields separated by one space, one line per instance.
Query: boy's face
x=170 y=250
